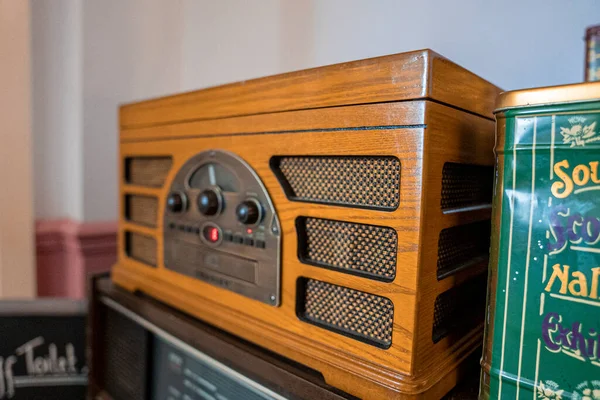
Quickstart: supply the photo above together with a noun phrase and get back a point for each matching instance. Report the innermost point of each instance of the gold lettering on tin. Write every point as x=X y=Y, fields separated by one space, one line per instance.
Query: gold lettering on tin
x=579 y=177
x=580 y=281
x=594 y=171
x=575 y=284
x=563 y=277
x=566 y=185
x=595 y=276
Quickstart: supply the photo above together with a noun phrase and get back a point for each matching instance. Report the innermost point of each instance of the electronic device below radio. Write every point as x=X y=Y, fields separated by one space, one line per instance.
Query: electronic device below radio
x=338 y=216
x=143 y=350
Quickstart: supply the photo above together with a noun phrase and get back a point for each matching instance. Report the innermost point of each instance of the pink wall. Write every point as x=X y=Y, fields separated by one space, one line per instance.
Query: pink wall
x=67 y=251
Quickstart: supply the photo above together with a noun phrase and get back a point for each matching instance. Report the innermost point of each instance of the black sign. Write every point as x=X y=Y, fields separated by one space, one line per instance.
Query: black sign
x=42 y=350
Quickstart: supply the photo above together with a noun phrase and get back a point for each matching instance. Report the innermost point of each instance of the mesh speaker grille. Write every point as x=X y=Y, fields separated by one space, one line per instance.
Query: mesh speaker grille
x=147 y=171
x=459 y=309
x=366 y=250
x=125 y=346
x=141 y=209
x=466 y=185
x=141 y=248
x=365 y=182
x=462 y=246
x=356 y=314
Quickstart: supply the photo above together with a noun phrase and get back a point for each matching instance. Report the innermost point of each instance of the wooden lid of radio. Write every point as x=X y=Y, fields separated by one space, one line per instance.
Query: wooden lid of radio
x=338 y=216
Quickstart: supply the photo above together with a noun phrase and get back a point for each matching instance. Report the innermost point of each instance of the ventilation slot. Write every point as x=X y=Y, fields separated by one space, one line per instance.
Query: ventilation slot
x=141 y=209
x=125 y=346
x=459 y=309
x=141 y=248
x=147 y=171
x=466 y=187
x=462 y=247
x=362 y=182
x=355 y=314
x=365 y=250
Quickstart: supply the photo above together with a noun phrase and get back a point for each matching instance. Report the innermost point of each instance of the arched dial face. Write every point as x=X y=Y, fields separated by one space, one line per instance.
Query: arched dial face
x=220 y=226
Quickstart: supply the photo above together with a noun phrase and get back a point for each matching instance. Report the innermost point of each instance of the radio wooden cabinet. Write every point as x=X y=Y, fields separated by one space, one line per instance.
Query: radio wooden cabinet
x=338 y=216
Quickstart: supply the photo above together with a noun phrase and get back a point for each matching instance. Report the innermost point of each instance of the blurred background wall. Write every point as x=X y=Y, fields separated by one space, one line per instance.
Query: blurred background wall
x=17 y=273
x=89 y=56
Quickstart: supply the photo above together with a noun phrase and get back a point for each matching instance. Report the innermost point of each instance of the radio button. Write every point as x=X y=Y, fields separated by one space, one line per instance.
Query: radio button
x=249 y=212
x=238 y=239
x=260 y=244
x=176 y=202
x=209 y=202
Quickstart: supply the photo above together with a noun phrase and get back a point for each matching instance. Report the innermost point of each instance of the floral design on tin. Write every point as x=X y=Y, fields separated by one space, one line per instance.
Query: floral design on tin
x=549 y=391
x=587 y=390
x=579 y=134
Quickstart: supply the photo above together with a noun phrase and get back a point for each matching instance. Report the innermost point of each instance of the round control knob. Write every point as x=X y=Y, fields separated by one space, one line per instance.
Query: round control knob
x=249 y=212
x=176 y=202
x=209 y=202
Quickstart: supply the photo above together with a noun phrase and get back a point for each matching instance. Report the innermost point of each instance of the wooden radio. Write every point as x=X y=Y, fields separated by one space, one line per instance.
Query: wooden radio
x=338 y=216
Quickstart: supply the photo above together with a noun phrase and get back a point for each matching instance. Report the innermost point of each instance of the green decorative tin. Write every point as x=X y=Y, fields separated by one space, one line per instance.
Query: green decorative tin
x=543 y=328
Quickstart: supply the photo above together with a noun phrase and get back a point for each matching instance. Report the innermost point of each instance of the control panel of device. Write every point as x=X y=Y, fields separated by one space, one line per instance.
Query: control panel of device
x=220 y=226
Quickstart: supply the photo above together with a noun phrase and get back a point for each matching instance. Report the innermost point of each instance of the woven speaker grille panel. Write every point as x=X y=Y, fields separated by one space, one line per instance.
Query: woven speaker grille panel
x=459 y=309
x=141 y=248
x=366 y=182
x=355 y=248
x=147 y=171
x=141 y=209
x=125 y=346
x=466 y=185
x=462 y=246
x=360 y=315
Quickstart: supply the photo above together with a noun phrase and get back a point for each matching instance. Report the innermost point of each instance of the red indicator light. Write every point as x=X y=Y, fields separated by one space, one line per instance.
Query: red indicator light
x=212 y=234
x=248 y=231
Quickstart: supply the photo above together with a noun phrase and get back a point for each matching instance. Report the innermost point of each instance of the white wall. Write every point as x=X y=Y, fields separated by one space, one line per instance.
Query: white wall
x=226 y=41
x=234 y=40
x=512 y=43
x=56 y=43
x=135 y=49
x=131 y=50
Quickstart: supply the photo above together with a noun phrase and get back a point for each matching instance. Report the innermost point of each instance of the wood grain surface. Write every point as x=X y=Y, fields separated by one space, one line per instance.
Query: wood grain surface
x=421 y=74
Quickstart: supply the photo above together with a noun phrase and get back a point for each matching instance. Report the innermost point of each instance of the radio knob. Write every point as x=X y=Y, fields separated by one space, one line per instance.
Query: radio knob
x=176 y=202
x=209 y=202
x=249 y=212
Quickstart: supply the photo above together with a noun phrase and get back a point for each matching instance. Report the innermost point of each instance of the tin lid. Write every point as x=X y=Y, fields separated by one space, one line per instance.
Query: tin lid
x=578 y=92
x=592 y=31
